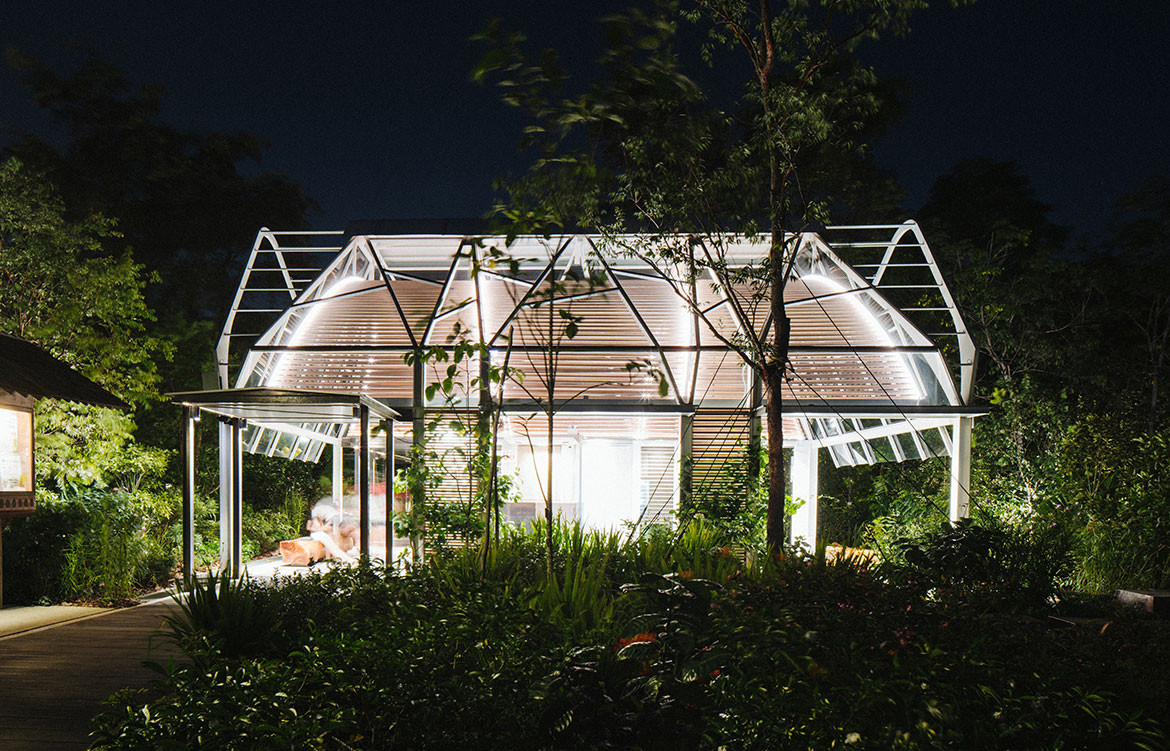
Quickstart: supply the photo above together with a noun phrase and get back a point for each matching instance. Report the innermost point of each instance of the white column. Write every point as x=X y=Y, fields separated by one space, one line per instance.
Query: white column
x=686 y=469
x=804 y=488
x=188 y=451
x=389 y=554
x=961 y=469
x=237 y=435
x=226 y=480
x=338 y=473
x=365 y=470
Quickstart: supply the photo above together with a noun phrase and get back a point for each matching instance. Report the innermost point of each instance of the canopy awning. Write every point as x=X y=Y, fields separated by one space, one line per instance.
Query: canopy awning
x=874 y=348
x=265 y=406
x=289 y=423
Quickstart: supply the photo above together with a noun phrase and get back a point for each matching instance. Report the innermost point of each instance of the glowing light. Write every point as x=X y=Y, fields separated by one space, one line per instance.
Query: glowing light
x=301 y=327
x=874 y=325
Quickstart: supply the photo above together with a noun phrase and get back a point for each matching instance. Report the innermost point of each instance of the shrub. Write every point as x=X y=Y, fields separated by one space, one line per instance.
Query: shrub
x=1115 y=497
x=794 y=653
x=90 y=544
x=987 y=565
x=219 y=615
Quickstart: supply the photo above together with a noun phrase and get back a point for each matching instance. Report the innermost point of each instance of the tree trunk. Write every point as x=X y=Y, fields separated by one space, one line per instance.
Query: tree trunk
x=548 y=497
x=776 y=359
x=774 y=362
x=486 y=454
x=775 y=535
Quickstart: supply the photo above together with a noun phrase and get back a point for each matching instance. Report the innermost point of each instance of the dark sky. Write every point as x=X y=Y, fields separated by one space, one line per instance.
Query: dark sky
x=368 y=105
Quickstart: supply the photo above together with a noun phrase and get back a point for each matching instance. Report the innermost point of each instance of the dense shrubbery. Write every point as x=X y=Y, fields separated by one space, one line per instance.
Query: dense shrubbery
x=661 y=643
x=90 y=545
x=1115 y=500
x=103 y=545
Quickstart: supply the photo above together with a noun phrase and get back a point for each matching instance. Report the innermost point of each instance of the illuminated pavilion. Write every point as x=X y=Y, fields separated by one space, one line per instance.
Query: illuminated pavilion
x=323 y=323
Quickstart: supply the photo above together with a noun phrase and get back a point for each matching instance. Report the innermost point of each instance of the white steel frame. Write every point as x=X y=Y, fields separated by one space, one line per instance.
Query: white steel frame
x=849 y=428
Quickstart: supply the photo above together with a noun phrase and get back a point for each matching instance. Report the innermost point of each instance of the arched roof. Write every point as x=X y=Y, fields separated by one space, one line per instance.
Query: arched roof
x=858 y=362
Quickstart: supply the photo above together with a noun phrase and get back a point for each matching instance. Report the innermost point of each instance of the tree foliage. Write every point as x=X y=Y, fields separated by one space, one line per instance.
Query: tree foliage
x=61 y=288
x=187 y=203
x=646 y=148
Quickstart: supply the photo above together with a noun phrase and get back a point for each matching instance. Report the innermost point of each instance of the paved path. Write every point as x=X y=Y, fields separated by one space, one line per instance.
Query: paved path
x=26 y=618
x=53 y=680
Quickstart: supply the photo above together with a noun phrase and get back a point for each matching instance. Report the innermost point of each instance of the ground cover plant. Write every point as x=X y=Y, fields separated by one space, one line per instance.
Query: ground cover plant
x=670 y=641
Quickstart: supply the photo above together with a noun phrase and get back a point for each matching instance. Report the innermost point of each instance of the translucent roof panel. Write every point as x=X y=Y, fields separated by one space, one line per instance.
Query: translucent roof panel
x=617 y=326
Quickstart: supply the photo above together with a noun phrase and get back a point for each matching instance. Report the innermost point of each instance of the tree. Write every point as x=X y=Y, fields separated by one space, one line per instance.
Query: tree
x=1028 y=308
x=648 y=149
x=60 y=288
x=1138 y=267
x=187 y=203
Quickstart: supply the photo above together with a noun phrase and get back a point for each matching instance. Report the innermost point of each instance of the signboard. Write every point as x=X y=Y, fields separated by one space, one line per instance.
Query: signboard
x=16 y=461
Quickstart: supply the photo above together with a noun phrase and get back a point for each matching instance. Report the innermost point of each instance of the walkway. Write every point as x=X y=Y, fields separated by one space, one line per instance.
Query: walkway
x=53 y=680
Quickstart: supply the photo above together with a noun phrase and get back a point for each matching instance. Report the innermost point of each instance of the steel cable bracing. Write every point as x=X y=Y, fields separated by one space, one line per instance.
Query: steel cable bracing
x=905 y=440
x=723 y=431
x=821 y=443
x=707 y=390
x=905 y=417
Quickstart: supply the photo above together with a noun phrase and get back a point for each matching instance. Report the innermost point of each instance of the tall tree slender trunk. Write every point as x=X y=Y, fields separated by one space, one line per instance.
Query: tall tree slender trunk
x=775 y=359
x=773 y=376
x=550 y=379
x=486 y=451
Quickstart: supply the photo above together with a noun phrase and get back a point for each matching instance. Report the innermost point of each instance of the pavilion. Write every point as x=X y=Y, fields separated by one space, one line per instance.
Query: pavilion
x=633 y=358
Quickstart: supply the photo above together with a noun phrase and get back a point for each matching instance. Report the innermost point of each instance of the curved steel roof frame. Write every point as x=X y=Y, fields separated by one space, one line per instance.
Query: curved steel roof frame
x=863 y=367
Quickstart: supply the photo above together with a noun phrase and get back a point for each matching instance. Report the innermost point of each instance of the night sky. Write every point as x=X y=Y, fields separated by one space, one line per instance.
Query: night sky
x=369 y=105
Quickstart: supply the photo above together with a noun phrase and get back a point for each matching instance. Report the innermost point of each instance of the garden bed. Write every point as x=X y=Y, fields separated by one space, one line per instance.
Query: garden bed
x=650 y=645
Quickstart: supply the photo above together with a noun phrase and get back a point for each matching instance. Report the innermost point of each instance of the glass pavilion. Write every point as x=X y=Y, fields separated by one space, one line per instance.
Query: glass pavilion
x=633 y=358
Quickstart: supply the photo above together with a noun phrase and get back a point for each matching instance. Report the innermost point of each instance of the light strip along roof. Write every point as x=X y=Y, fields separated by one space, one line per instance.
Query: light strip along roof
x=854 y=354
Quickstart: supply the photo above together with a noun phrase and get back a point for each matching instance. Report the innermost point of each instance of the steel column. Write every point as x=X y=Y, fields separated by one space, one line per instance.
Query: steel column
x=755 y=432
x=390 y=493
x=686 y=460
x=237 y=567
x=338 y=474
x=418 y=439
x=364 y=481
x=187 y=451
x=225 y=494
x=805 y=488
x=961 y=468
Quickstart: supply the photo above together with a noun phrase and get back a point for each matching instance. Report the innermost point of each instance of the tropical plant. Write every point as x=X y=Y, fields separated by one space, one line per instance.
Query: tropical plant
x=219 y=615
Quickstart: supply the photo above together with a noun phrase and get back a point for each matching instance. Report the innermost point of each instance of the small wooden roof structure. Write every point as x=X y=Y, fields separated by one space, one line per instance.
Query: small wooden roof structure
x=28 y=370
